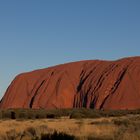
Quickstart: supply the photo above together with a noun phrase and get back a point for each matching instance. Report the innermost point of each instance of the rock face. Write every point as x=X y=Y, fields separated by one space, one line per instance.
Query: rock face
x=91 y=84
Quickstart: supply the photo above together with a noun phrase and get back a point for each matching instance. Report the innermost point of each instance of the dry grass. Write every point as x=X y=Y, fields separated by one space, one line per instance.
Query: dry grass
x=78 y=128
x=111 y=128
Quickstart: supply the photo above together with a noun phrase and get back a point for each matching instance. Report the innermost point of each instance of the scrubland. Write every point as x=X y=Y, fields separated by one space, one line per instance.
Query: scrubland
x=75 y=124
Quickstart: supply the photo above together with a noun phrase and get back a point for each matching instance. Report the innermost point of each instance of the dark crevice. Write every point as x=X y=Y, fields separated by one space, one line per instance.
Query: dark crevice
x=97 y=86
x=82 y=81
x=104 y=74
x=52 y=73
x=86 y=97
x=85 y=101
x=81 y=99
x=99 y=83
x=36 y=84
x=48 y=82
x=116 y=85
x=75 y=101
x=119 y=81
x=92 y=104
x=58 y=84
x=81 y=74
x=33 y=98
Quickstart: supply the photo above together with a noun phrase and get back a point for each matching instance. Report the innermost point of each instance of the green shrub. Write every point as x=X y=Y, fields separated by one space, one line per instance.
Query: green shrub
x=6 y=114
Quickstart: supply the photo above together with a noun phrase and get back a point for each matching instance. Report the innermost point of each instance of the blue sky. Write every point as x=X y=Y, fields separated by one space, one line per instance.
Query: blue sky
x=36 y=34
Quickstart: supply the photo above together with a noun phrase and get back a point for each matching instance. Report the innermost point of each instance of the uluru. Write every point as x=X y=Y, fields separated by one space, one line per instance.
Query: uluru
x=93 y=84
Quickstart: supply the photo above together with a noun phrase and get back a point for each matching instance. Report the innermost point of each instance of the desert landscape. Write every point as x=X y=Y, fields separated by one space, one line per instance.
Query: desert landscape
x=78 y=124
x=69 y=69
x=86 y=100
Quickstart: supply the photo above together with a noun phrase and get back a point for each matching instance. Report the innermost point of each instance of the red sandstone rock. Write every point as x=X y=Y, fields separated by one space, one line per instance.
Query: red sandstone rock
x=91 y=84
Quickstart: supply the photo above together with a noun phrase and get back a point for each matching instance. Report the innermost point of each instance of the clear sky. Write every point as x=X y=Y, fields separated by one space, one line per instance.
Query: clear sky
x=36 y=34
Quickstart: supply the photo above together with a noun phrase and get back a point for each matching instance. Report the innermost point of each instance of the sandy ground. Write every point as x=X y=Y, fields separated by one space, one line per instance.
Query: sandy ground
x=101 y=127
x=82 y=127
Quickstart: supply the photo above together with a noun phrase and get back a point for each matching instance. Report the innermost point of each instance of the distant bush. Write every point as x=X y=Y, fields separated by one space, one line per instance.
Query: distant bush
x=77 y=115
x=21 y=115
x=105 y=122
x=57 y=113
x=98 y=138
x=57 y=136
x=119 y=122
x=7 y=114
x=84 y=113
x=51 y=116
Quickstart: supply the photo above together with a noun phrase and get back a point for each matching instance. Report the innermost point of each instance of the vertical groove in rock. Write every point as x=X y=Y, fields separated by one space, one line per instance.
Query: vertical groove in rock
x=33 y=98
x=116 y=85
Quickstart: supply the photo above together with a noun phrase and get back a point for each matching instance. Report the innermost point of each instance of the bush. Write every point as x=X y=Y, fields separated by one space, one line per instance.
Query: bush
x=57 y=113
x=76 y=115
x=84 y=113
x=51 y=116
x=31 y=131
x=6 y=114
x=124 y=122
x=57 y=136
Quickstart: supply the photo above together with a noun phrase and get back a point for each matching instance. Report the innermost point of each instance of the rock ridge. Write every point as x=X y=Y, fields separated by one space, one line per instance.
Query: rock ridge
x=91 y=84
